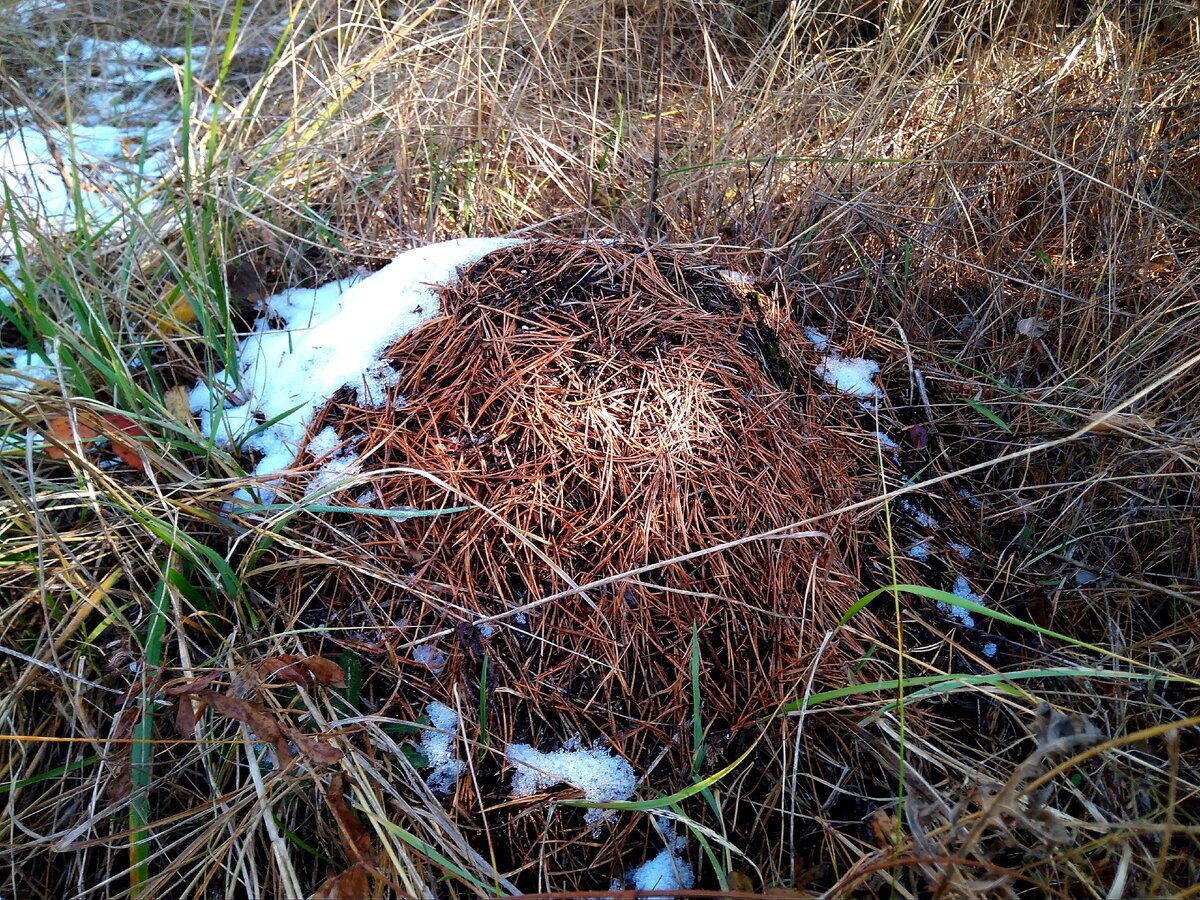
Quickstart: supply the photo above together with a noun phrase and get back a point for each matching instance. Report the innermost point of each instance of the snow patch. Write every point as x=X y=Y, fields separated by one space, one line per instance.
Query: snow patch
x=429 y=656
x=819 y=339
x=919 y=551
x=989 y=649
x=962 y=590
x=309 y=343
x=970 y=498
x=22 y=368
x=600 y=775
x=885 y=441
x=921 y=517
x=962 y=550
x=437 y=746
x=850 y=375
x=666 y=871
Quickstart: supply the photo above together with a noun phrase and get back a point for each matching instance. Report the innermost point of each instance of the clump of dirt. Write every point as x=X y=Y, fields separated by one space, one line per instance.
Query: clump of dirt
x=601 y=411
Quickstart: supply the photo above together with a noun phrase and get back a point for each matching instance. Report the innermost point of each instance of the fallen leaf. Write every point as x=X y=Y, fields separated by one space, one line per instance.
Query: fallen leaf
x=318 y=751
x=59 y=428
x=176 y=312
x=918 y=436
x=118 y=429
x=185 y=718
x=303 y=671
x=326 y=672
x=192 y=685
x=254 y=716
x=353 y=884
x=287 y=667
x=179 y=405
x=357 y=838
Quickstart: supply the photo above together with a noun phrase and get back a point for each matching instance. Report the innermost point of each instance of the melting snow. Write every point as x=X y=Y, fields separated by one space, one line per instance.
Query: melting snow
x=885 y=441
x=919 y=551
x=962 y=590
x=970 y=498
x=23 y=367
x=850 y=375
x=922 y=518
x=437 y=746
x=666 y=871
x=115 y=167
x=819 y=339
x=430 y=657
x=327 y=338
x=600 y=775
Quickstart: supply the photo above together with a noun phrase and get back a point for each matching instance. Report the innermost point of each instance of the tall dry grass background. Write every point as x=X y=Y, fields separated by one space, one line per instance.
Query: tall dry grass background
x=1000 y=202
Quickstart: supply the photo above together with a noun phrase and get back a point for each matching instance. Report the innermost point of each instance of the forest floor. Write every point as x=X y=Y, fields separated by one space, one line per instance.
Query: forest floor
x=966 y=239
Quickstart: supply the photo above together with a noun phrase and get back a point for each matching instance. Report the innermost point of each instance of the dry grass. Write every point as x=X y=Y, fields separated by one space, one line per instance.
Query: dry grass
x=998 y=202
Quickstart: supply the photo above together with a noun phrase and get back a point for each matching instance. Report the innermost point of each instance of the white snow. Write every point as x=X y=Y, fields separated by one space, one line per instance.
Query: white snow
x=970 y=498
x=885 y=441
x=962 y=590
x=919 y=551
x=819 y=339
x=600 y=775
x=22 y=368
x=989 y=649
x=850 y=375
x=310 y=343
x=338 y=460
x=961 y=549
x=430 y=657
x=437 y=746
x=666 y=871
x=115 y=148
x=922 y=518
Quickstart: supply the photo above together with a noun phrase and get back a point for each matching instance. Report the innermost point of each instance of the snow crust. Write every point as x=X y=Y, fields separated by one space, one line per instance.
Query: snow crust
x=311 y=342
x=429 y=656
x=921 y=517
x=437 y=746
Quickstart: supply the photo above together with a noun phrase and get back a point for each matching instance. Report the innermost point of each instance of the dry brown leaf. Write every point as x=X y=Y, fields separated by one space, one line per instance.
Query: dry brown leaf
x=119 y=429
x=304 y=672
x=254 y=716
x=59 y=428
x=318 y=751
x=325 y=672
x=357 y=838
x=185 y=718
x=287 y=667
x=178 y=403
x=191 y=686
x=353 y=884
